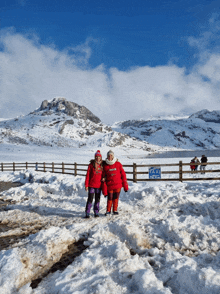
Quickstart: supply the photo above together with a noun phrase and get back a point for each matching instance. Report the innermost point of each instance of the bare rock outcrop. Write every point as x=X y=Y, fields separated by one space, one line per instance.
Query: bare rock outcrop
x=60 y=105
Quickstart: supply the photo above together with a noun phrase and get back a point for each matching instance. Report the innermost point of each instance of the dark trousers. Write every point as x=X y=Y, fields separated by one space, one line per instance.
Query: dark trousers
x=93 y=192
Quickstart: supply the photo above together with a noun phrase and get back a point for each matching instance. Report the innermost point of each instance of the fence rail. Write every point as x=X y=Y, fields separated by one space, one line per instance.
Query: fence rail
x=136 y=170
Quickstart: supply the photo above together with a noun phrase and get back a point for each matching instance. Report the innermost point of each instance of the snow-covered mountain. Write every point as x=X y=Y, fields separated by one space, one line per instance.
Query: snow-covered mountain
x=65 y=124
x=198 y=131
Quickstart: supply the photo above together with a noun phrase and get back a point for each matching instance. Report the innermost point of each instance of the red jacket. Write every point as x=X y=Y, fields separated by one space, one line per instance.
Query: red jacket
x=192 y=166
x=115 y=176
x=93 y=176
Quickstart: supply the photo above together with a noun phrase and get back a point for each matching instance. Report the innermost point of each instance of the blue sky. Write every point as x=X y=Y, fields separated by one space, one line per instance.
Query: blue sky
x=119 y=43
x=122 y=33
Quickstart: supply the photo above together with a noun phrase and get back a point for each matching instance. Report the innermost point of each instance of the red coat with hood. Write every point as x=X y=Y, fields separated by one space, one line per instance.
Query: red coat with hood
x=94 y=175
x=115 y=177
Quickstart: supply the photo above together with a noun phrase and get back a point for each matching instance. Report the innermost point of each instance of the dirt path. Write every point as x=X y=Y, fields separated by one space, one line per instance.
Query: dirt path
x=7 y=185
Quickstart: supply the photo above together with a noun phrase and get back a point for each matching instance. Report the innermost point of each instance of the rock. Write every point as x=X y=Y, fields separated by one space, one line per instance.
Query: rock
x=59 y=105
x=67 y=122
x=207 y=116
x=44 y=105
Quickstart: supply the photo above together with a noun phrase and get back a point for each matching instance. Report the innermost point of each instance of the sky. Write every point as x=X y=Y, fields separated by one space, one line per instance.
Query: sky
x=121 y=59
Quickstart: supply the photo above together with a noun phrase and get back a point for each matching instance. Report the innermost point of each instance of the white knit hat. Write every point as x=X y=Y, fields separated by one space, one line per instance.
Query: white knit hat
x=110 y=152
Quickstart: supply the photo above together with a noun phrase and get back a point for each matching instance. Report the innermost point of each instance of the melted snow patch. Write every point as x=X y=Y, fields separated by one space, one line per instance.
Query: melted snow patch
x=44 y=249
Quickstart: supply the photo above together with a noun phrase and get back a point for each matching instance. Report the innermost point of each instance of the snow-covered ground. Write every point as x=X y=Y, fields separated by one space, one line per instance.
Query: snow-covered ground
x=165 y=239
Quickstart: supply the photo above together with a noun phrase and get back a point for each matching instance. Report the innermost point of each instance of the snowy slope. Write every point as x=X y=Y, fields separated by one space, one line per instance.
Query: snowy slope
x=165 y=239
x=199 y=131
x=60 y=123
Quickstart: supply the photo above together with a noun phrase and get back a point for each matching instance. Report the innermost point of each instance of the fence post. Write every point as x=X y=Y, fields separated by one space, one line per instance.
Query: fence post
x=180 y=171
x=2 y=166
x=26 y=165
x=52 y=167
x=134 y=172
x=62 y=167
x=36 y=166
x=13 y=166
x=75 y=169
x=44 y=166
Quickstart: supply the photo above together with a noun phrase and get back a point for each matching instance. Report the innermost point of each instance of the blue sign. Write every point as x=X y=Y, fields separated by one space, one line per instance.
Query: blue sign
x=154 y=173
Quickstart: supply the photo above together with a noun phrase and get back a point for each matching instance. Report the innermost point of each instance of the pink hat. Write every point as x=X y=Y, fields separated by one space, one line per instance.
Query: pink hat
x=98 y=153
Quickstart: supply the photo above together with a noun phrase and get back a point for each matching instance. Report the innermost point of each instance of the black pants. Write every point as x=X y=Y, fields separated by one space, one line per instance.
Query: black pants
x=91 y=194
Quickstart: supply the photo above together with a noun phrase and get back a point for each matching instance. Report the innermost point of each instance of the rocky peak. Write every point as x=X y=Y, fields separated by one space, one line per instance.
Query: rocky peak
x=207 y=116
x=61 y=105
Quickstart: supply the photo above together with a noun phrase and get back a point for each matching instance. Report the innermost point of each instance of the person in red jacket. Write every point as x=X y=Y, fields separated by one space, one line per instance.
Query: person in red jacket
x=115 y=178
x=93 y=184
x=192 y=165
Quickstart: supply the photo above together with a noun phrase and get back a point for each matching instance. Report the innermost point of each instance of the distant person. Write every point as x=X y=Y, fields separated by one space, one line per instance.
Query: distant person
x=115 y=178
x=192 y=165
x=93 y=184
x=204 y=161
x=196 y=160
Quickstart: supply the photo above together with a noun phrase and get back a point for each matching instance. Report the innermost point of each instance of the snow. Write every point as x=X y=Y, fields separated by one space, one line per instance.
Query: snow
x=165 y=239
x=53 y=126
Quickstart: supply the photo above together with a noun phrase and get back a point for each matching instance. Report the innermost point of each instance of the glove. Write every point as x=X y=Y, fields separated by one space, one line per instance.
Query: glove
x=125 y=186
x=126 y=189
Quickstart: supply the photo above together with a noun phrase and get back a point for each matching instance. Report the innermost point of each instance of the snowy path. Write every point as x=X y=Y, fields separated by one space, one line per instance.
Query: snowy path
x=166 y=238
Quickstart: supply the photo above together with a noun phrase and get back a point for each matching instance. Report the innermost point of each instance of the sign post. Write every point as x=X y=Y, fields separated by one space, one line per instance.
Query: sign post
x=155 y=172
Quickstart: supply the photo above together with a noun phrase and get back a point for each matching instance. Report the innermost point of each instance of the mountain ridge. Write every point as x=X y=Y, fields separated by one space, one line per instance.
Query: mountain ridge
x=200 y=130
x=62 y=123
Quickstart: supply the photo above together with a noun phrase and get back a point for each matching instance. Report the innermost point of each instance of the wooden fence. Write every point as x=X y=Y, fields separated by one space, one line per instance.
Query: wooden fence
x=136 y=171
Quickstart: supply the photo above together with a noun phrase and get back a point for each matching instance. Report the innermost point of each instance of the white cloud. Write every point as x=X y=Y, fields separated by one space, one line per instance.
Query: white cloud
x=83 y=51
x=31 y=73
